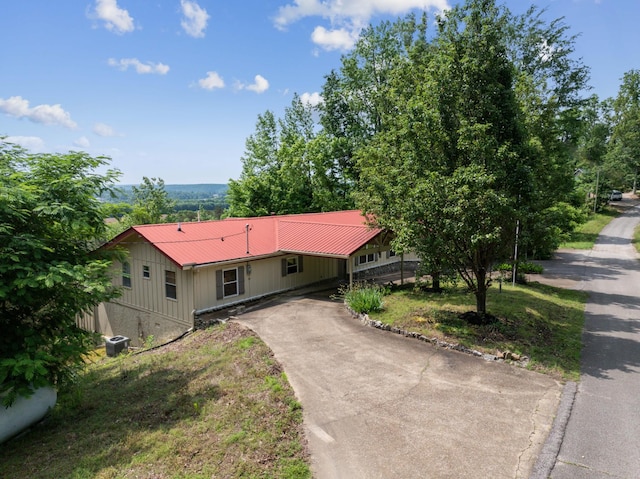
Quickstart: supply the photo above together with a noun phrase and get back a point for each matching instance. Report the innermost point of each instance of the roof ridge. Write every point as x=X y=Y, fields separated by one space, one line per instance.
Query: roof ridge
x=342 y=225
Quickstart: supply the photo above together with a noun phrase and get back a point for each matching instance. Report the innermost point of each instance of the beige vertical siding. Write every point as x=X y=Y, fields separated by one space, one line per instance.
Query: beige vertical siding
x=149 y=294
x=138 y=324
x=144 y=309
x=265 y=277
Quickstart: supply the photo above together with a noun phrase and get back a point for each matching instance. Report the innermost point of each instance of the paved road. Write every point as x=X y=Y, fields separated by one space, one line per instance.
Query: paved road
x=602 y=438
x=379 y=405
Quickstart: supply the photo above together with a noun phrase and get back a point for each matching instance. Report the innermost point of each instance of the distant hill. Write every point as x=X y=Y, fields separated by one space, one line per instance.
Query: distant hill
x=201 y=191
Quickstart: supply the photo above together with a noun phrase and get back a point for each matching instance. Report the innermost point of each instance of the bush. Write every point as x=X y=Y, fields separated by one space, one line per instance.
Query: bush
x=364 y=298
x=524 y=267
x=50 y=223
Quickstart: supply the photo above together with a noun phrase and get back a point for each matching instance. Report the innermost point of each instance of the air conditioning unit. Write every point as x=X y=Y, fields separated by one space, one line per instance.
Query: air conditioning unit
x=116 y=345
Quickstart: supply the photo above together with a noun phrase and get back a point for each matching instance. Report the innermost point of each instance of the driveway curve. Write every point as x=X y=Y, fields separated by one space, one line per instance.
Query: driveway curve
x=379 y=405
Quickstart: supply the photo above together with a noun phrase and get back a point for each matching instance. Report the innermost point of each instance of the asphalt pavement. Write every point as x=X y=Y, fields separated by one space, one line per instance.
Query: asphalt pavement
x=601 y=437
x=380 y=405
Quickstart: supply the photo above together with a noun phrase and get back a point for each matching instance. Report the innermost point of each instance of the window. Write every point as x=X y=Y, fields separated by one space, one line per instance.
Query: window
x=292 y=265
x=391 y=254
x=126 y=275
x=366 y=258
x=146 y=272
x=230 y=282
x=171 y=290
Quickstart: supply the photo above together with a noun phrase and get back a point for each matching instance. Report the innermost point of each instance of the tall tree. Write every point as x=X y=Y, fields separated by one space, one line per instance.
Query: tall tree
x=452 y=173
x=287 y=168
x=549 y=84
x=150 y=202
x=50 y=222
x=592 y=148
x=256 y=192
x=355 y=97
x=625 y=138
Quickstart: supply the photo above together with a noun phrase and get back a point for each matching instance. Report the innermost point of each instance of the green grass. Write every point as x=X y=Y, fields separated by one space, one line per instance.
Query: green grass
x=215 y=404
x=535 y=320
x=636 y=238
x=585 y=236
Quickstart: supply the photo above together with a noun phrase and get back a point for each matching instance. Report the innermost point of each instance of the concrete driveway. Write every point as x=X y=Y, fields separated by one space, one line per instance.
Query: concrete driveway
x=379 y=405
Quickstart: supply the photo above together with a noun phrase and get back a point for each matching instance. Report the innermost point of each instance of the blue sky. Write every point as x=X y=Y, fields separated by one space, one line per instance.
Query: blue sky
x=173 y=88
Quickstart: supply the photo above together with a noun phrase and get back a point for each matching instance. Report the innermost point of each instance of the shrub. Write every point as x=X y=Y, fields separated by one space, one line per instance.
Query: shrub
x=364 y=298
x=524 y=267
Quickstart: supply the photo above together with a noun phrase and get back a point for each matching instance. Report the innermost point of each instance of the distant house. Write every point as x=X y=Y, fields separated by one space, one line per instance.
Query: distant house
x=176 y=273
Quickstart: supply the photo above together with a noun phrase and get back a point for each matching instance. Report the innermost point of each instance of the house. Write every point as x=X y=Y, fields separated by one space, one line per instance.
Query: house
x=176 y=273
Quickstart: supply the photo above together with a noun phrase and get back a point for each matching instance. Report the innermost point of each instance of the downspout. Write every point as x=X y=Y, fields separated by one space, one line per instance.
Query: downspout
x=190 y=267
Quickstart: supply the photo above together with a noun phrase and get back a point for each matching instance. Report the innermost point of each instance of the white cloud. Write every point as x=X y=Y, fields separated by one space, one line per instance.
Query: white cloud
x=347 y=17
x=116 y=19
x=312 y=99
x=82 y=142
x=259 y=85
x=339 y=39
x=31 y=143
x=102 y=129
x=211 y=81
x=195 y=18
x=141 y=68
x=18 y=107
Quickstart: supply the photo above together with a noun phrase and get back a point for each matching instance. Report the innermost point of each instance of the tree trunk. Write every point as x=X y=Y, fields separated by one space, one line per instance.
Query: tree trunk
x=481 y=292
x=435 y=281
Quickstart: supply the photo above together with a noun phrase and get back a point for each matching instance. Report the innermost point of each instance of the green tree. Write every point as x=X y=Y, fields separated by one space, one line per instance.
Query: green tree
x=592 y=148
x=286 y=168
x=549 y=84
x=452 y=172
x=624 y=147
x=355 y=97
x=50 y=224
x=150 y=202
x=257 y=191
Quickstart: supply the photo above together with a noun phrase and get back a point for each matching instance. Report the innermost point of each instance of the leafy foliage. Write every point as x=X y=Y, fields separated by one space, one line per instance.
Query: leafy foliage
x=50 y=220
x=285 y=168
x=447 y=174
x=364 y=298
x=624 y=147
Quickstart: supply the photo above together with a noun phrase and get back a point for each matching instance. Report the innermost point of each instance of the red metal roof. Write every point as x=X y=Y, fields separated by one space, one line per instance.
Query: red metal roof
x=339 y=234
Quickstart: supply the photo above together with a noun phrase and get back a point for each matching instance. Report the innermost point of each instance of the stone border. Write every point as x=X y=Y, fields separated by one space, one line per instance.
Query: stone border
x=522 y=361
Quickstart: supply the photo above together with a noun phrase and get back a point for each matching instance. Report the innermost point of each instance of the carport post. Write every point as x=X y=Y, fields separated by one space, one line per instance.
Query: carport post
x=350 y=269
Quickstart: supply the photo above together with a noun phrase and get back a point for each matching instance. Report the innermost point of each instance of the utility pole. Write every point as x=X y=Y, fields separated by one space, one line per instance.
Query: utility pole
x=514 y=272
x=595 y=200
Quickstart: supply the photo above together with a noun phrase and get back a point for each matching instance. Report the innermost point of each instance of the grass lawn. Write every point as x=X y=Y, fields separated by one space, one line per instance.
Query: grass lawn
x=535 y=320
x=584 y=237
x=215 y=404
x=636 y=238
